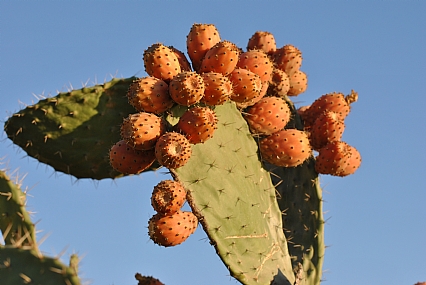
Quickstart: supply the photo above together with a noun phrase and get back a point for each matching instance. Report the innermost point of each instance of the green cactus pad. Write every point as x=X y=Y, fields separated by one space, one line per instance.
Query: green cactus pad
x=73 y=131
x=22 y=266
x=15 y=223
x=234 y=199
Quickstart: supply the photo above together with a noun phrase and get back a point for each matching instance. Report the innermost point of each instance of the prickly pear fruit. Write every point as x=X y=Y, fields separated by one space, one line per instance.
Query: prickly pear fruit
x=173 y=229
x=263 y=41
x=150 y=94
x=338 y=158
x=258 y=62
x=168 y=197
x=173 y=150
x=141 y=130
x=327 y=128
x=218 y=88
x=298 y=83
x=336 y=102
x=187 y=88
x=183 y=61
x=279 y=85
x=246 y=85
x=221 y=58
x=267 y=116
x=200 y=39
x=288 y=148
x=147 y=280
x=128 y=160
x=288 y=58
x=161 y=62
x=197 y=124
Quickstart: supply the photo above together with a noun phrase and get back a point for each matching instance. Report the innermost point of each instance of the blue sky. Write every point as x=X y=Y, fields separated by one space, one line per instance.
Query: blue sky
x=375 y=219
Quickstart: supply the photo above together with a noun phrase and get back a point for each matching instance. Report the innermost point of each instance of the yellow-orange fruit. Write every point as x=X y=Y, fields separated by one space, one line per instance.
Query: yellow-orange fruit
x=218 y=88
x=168 y=197
x=288 y=59
x=173 y=150
x=187 y=88
x=246 y=85
x=298 y=83
x=338 y=159
x=142 y=130
x=258 y=62
x=197 y=124
x=128 y=160
x=161 y=62
x=263 y=41
x=279 y=84
x=221 y=58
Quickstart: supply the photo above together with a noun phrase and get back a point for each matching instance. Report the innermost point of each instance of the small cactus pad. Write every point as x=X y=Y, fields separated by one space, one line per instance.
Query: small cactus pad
x=234 y=200
x=74 y=131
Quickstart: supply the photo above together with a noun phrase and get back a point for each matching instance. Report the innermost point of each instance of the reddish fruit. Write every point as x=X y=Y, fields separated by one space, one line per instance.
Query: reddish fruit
x=200 y=39
x=267 y=116
x=298 y=83
x=327 y=128
x=127 y=160
x=246 y=85
x=288 y=59
x=187 y=88
x=147 y=280
x=198 y=124
x=161 y=62
x=336 y=102
x=221 y=58
x=183 y=61
x=171 y=230
x=338 y=159
x=279 y=85
x=173 y=150
x=263 y=41
x=142 y=130
x=286 y=148
x=150 y=94
x=258 y=62
x=168 y=197
x=218 y=88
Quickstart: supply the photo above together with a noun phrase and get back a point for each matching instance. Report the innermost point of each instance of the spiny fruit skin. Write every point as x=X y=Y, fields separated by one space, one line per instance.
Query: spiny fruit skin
x=198 y=124
x=335 y=102
x=187 y=88
x=246 y=85
x=258 y=62
x=298 y=83
x=161 y=62
x=218 y=88
x=183 y=61
x=221 y=58
x=173 y=150
x=288 y=58
x=200 y=39
x=150 y=94
x=279 y=84
x=263 y=41
x=288 y=148
x=147 y=280
x=173 y=229
x=327 y=128
x=267 y=116
x=168 y=197
x=141 y=130
x=128 y=160
x=338 y=159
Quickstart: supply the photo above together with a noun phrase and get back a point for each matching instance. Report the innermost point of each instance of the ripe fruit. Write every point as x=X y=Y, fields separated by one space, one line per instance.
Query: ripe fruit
x=200 y=39
x=183 y=61
x=258 y=62
x=327 y=128
x=288 y=59
x=218 y=88
x=263 y=41
x=173 y=150
x=150 y=94
x=168 y=197
x=161 y=62
x=142 y=130
x=127 y=160
x=267 y=116
x=173 y=229
x=221 y=58
x=187 y=88
x=279 y=84
x=246 y=85
x=286 y=148
x=298 y=83
x=338 y=158
x=197 y=124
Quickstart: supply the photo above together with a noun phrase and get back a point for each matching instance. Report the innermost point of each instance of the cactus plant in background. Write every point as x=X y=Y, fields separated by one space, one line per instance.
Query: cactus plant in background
x=231 y=118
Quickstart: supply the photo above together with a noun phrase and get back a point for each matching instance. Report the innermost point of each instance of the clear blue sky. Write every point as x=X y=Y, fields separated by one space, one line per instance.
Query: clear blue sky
x=376 y=222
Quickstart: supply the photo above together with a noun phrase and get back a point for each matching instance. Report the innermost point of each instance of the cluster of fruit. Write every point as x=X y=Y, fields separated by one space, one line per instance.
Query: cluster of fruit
x=257 y=80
